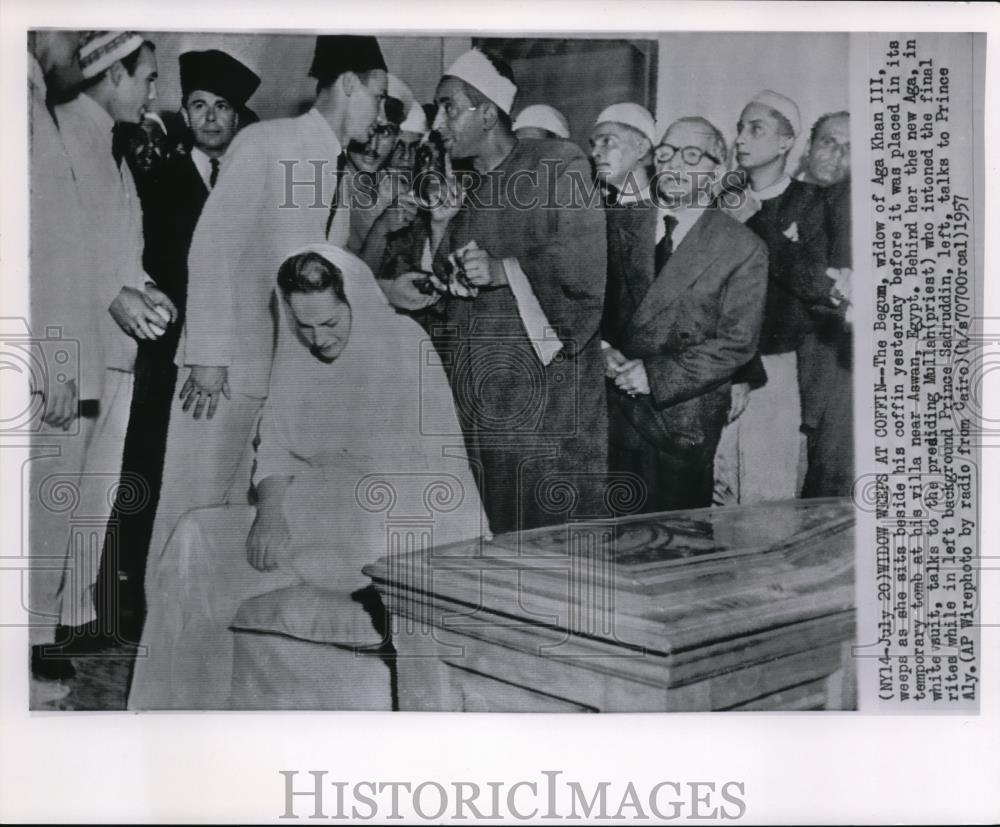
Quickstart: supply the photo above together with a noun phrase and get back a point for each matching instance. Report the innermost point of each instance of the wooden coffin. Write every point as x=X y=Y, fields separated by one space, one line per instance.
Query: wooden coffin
x=733 y=608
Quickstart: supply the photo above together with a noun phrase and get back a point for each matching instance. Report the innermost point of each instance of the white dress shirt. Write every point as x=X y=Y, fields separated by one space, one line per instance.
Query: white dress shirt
x=203 y=164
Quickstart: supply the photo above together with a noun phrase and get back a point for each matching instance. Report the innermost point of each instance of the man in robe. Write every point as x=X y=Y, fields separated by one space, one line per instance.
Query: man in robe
x=758 y=457
x=825 y=358
x=522 y=344
x=60 y=250
x=275 y=194
x=689 y=285
x=119 y=72
x=215 y=88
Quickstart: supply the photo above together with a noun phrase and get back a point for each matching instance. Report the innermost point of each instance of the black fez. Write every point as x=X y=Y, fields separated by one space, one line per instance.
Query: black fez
x=339 y=53
x=221 y=74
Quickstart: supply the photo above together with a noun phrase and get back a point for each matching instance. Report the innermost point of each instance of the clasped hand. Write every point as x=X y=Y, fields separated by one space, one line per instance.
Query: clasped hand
x=629 y=375
x=481 y=269
x=143 y=314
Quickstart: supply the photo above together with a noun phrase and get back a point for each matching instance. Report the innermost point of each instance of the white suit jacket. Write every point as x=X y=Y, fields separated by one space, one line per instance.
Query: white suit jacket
x=253 y=220
x=113 y=219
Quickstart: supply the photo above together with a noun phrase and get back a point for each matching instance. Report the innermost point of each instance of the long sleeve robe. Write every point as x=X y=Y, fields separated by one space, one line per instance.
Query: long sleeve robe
x=533 y=430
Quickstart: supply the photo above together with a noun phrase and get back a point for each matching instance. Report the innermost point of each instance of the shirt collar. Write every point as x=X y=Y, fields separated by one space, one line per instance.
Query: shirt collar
x=324 y=126
x=97 y=114
x=686 y=219
x=203 y=164
x=772 y=191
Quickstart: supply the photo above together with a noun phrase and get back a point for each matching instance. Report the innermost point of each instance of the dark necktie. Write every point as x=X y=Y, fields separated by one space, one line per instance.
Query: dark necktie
x=665 y=246
x=213 y=176
x=335 y=201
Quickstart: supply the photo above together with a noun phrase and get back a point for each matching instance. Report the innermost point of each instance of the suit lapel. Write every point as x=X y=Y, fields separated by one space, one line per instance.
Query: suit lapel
x=195 y=182
x=692 y=258
x=634 y=227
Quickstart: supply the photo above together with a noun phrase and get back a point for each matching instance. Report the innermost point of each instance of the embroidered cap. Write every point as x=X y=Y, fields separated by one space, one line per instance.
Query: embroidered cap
x=98 y=50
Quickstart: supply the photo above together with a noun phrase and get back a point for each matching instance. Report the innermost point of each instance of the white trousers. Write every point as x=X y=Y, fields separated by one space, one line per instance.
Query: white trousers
x=94 y=499
x=758 y=455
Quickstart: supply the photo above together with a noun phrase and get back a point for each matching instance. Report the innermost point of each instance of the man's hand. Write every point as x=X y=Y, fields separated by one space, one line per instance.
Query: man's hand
x=632 y=378
x=403 y=293
x=400 y=214
x=482 y=269
x=203 y=387
x=269 y=538
x=161 y=300
x=61 y=405
x=136 y=313
x=739 y=399
x=614 y=359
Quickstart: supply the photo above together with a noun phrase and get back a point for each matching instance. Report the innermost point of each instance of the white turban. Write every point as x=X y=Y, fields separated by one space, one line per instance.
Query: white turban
x=476 y=70
x=542 y=116
x=784 y=105
x=630 y=114
x=416 y=120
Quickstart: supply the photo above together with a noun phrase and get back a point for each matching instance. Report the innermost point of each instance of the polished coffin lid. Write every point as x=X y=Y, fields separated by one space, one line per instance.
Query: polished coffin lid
x=681 y=585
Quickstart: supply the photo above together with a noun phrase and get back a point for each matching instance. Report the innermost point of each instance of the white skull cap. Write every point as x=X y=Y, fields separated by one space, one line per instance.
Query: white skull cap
x=542 y=116
x=630 y=114
x=476 y=70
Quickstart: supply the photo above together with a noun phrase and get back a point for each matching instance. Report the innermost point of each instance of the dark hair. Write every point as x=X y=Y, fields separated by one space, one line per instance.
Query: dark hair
x=478 y=98
x=131 y=60
x=822 y=119
x=310 y=273
x=326 y=82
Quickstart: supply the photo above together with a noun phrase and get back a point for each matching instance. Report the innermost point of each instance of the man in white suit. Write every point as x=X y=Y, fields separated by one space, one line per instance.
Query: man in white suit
x=254 y=218
x=120 y=304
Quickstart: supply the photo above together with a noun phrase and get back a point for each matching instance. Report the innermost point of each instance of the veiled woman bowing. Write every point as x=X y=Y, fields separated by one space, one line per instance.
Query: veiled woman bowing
x=359 y=451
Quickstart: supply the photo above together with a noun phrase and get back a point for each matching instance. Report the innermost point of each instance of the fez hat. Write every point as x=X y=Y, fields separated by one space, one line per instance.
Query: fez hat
x=339 y=53
x=219 y=73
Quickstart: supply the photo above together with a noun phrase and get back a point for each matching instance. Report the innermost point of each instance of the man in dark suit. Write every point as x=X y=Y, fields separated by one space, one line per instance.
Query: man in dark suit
x=215 y=88
x=686 y=292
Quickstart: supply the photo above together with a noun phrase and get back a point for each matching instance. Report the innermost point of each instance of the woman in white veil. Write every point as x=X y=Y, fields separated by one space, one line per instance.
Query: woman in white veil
x=369 y=454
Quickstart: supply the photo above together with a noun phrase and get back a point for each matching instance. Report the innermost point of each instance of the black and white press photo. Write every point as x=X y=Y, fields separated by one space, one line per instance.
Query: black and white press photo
x=372 y=366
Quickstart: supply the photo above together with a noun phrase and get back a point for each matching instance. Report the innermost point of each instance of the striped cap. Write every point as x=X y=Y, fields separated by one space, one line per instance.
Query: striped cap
x=98 y=50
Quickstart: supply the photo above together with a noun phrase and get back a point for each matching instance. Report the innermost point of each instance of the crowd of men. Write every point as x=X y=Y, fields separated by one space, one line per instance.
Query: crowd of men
x=686 y=333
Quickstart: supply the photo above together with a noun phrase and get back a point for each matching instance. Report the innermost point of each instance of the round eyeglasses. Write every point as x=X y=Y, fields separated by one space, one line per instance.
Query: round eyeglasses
x=690 y=155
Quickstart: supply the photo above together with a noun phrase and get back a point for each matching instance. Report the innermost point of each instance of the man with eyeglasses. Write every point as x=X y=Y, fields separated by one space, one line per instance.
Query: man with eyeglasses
x=825 y=357
x=276 y=194
x=689 y=285
x=522 y=339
